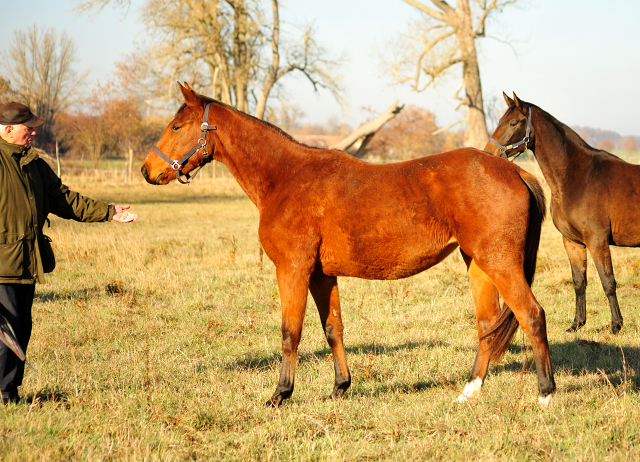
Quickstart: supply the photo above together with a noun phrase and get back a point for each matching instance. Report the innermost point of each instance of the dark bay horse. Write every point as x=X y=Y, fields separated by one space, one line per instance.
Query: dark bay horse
x=324 y=214
x=595 y=196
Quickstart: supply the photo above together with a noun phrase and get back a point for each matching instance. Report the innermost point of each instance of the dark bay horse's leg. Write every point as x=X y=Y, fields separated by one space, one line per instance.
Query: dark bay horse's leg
x=602 y=258
x=577 y=253
x=324 y=290
x=486 y=301
x=517 y=294
x=293 y=285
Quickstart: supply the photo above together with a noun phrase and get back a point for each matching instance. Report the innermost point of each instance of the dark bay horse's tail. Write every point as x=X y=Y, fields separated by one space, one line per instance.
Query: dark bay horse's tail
x=505 y=327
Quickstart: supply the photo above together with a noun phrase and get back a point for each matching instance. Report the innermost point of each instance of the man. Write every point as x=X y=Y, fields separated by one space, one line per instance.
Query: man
x=29 y=191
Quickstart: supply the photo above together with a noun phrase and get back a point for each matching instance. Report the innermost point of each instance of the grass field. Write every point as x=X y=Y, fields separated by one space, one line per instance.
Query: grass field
x=160 y=340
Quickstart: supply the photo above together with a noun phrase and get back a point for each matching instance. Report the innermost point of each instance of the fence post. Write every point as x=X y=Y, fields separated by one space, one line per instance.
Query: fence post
x=58 y=158
x=130 y=166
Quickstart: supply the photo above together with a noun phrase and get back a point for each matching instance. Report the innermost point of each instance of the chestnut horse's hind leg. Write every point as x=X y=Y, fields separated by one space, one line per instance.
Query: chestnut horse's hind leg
x=293 y=286
x=602 y=258
x=486 y=300
x=530 y=315
x=577 y=253
x=324 y=290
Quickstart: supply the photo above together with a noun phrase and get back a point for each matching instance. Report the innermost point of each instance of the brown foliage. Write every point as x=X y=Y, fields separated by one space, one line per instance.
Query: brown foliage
x=606 y=145
x=6 y=93
x=409 y=135
x=629 y=144
x=112 y=124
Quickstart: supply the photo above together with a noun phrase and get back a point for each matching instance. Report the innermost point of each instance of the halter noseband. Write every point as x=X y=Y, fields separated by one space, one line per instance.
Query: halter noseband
x=525 y=141
x=176 y=165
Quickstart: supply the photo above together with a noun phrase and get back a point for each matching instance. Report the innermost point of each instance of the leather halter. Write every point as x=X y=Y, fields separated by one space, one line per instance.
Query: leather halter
x=176 y=165
x=525 y=141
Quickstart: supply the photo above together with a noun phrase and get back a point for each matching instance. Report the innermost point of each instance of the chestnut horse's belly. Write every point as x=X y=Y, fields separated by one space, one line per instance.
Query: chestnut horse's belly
x=383 y=259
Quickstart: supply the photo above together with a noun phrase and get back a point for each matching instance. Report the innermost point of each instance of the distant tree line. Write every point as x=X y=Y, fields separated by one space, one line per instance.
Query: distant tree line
x=608 y=140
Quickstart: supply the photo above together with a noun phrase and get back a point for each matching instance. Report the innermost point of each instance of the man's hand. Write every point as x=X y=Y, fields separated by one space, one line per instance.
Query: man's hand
x=121 y=214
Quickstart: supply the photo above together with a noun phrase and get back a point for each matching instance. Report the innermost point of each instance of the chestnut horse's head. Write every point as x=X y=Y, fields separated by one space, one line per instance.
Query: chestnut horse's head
x=184 y=145
x=513 y=135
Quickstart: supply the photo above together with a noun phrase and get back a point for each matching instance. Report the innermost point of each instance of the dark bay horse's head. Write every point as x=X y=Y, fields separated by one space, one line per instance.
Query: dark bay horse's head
x=514 y=133
x=181 y=137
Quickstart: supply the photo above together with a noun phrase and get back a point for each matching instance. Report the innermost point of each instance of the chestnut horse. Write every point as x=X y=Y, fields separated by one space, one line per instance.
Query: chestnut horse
x=595 y=196
x=324 y=214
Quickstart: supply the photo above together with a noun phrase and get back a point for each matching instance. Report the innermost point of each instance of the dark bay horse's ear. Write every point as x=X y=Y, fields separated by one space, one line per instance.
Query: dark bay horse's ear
x=507 y=99
x=189 y=95
x=516 y=100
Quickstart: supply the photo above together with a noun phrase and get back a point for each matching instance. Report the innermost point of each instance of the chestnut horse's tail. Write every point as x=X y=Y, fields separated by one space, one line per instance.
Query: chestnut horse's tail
x=505 y=327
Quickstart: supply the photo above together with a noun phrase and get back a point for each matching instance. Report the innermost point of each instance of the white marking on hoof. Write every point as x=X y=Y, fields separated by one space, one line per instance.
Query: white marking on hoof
x=544 y=401
x=471 y=390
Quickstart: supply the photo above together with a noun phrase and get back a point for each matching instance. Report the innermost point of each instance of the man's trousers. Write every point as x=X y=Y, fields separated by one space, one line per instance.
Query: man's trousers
x=15 y=305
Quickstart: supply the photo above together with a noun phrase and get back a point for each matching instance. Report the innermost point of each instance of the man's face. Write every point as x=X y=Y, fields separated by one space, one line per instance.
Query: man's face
x=19 y=134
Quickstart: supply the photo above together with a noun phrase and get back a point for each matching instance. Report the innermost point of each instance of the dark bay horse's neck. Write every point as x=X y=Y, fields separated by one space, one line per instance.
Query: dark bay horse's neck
x=561 y=153
x=257 y=154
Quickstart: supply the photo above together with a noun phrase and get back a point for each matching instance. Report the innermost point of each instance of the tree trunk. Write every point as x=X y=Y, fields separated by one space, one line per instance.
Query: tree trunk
x=476 y=122
x=241 y=65
x=275 y=64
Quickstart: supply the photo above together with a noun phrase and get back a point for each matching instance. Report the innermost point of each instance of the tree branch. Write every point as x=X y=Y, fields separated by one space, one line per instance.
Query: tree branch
x=370 y=127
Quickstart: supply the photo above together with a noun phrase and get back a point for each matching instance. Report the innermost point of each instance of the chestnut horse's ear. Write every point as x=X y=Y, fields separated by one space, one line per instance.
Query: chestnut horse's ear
x=189 y=95
x=507 y=99
x=516 y=100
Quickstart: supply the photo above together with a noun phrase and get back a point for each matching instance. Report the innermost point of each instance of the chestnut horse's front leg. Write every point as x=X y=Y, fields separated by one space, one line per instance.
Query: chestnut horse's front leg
x=324 y=290
x=293 y=285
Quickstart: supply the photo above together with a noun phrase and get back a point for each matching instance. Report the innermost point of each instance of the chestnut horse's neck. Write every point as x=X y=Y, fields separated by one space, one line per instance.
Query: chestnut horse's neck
x=561 y=154
x=259 y=155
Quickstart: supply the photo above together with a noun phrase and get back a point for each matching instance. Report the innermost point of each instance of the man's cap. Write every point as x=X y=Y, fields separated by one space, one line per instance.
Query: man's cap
x=16 y=113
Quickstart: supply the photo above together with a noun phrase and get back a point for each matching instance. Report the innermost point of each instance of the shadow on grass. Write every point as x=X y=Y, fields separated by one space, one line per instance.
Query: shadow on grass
x=579 y=357
x=47 y=394
x=262 y=362
x=87 y=293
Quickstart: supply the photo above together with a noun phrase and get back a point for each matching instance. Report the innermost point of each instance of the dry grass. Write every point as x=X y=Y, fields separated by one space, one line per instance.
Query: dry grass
x=161 y=341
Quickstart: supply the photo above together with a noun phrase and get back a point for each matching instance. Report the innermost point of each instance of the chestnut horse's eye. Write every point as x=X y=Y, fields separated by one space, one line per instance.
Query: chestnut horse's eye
x=513 y=123
x=175 y=128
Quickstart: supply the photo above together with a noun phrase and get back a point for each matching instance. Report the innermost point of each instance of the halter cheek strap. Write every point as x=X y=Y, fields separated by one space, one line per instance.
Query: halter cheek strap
x=176 y=165
x=525 y=141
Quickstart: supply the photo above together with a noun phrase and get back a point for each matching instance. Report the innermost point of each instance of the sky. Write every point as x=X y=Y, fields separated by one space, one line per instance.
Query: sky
x=577 y=59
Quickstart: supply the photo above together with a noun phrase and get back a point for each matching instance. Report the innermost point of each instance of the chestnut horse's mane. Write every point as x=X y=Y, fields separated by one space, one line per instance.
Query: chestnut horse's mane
x=267 y=124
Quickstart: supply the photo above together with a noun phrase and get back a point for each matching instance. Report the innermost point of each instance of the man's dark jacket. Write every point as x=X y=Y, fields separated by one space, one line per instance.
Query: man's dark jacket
x=29 y=191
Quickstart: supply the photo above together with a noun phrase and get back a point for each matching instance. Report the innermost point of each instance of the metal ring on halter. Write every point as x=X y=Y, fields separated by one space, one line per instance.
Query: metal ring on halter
x=200 y=145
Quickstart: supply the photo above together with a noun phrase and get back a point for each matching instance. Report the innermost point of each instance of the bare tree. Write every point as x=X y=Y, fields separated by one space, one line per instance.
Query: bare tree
x=229 y=49
x=6 y=92
x=39 y=64
x=445 y=38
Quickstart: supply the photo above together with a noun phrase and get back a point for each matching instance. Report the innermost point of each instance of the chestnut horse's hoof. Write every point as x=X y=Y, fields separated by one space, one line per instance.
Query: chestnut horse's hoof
x=615 y=327
x=544 y=402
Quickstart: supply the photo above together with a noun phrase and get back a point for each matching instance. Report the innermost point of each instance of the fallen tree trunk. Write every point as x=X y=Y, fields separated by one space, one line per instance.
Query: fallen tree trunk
x=364 y=133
